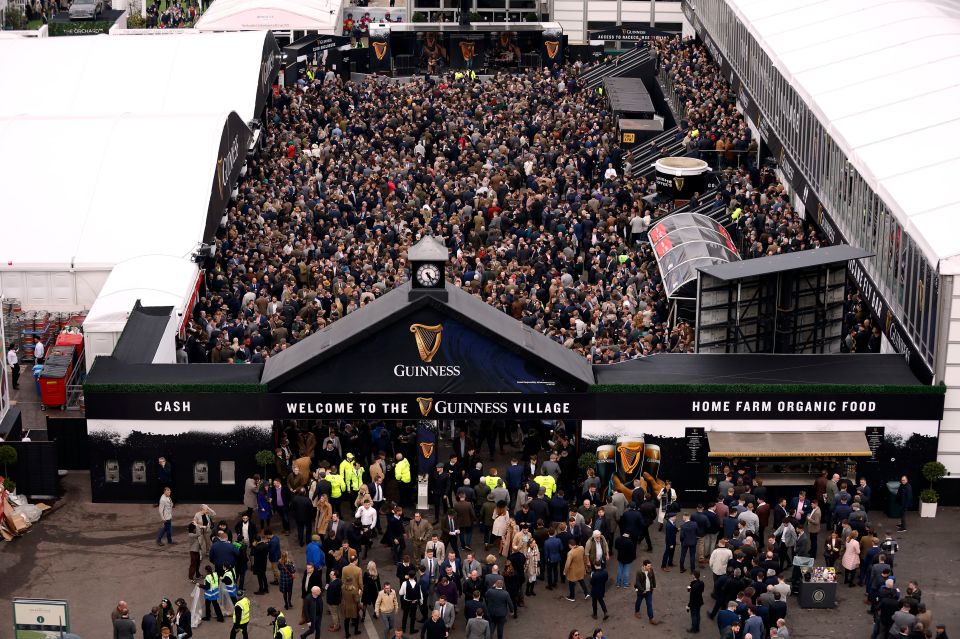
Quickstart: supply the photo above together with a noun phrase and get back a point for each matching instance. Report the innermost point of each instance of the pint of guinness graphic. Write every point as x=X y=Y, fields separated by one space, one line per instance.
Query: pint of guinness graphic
x=651 y=460
x=606 y=464
x=680 y=177
x=629 y=459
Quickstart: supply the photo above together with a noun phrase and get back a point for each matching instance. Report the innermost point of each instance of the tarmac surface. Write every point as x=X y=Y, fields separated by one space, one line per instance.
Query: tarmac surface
x=92 y=555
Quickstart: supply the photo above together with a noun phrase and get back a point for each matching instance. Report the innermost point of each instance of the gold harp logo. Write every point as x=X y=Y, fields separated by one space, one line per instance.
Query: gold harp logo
x=678 y=182
x=888 y=322
x=428 y=340
x=425 y=404
x=218 y=178
x=630 y=455
x=379 y=49
x=553 y=46
x=426 y=449
x=468 y=50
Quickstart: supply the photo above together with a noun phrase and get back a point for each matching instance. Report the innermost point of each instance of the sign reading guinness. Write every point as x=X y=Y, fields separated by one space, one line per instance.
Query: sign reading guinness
x=427 y=339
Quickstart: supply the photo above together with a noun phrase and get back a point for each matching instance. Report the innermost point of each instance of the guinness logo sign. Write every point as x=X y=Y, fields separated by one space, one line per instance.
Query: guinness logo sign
x=425 y=404
x=468 y=49
x=428 y=340
x=630 y=455
x=379 y=49
x=553 y=46
x=426 y=449
x=678 y=183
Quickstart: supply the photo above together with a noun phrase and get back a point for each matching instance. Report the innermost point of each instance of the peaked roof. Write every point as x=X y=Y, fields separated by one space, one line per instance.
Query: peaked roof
x=486 y=320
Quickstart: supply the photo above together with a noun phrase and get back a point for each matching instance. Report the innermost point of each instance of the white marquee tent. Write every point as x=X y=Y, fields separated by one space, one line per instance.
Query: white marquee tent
x=882 y=79
x=173 y=282
x=111 y=75
x=276 y=15
x=84 y=194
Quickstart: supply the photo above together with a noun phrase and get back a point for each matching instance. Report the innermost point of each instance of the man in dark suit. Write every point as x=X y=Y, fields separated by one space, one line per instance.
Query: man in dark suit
x=379 y=498
x=688 y=542
x=778 y=609
x=313 y=613
x=780 y=512
x=695 y=601
x=800 y=507
x=279 y=497
x=670 y=535
x=802 y=548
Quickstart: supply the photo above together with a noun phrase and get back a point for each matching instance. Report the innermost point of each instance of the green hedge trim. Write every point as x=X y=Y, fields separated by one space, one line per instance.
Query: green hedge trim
x=174 y=388
x=850 y=389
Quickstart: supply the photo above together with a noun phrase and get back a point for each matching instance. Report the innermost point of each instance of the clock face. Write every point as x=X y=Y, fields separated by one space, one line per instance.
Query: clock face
x=428 y=275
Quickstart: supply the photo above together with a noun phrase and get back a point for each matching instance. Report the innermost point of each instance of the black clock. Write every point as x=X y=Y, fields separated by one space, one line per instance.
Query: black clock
x=428 y=275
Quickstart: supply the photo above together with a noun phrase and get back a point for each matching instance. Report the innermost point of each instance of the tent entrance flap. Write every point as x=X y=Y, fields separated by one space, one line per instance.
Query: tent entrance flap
x=806 y=444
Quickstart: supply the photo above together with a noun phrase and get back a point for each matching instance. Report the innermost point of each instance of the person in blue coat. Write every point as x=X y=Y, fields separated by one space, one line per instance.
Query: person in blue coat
x=688 y=542
x=315 y=554
x=670 y=536
x=905 y=500
x=553 y=555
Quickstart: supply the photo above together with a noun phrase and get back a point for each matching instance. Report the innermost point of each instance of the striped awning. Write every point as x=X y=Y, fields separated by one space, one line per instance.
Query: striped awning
x=805 y=444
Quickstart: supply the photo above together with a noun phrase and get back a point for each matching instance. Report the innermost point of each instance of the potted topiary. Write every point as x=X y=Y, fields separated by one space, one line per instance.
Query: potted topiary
x=8 y=455
x=265 y=458
x=587 y=460
x=933 y=472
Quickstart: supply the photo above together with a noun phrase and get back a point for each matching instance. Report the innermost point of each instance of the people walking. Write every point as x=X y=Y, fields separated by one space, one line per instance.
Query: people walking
x=695 y=601
x=241 y=618
x=166 y=516
x=598 y=588
x=645 y=584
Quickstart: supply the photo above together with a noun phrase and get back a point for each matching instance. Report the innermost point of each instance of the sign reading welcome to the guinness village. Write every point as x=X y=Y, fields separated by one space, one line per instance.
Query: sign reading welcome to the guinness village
x=739 y=406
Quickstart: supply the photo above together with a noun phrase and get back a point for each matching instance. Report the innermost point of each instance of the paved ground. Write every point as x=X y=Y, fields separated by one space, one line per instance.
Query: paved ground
x=94 y=554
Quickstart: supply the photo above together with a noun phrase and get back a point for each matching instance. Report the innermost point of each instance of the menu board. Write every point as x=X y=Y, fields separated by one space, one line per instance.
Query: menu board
x=875 y=436
x=696 y=445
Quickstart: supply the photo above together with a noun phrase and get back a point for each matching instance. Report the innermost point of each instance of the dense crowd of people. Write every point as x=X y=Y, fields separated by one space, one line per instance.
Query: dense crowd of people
x=176 y=14
x=522 y=178
x=339 y=493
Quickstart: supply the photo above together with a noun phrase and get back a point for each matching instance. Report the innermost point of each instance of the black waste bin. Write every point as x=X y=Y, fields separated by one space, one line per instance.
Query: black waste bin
x=894 y=511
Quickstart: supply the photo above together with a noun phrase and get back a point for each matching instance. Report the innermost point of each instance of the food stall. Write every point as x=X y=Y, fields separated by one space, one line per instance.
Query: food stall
x=787 y=461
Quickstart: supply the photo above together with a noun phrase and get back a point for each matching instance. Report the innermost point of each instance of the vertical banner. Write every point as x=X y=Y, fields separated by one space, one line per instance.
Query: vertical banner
x=4 y=391
x=426 y=443
x=467 y=51
x=552 y=53
x=380 y=49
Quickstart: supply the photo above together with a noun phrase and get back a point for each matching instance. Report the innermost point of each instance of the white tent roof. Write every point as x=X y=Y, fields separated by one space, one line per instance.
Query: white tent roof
x=89 y=193
x=274 y=15
x=171 y=283
x=883 y=80
x=110 y=75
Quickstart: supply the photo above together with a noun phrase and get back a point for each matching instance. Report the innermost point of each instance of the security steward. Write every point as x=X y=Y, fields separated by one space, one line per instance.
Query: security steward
x=229 y=582
x=401 y=472
x=283 y=630
x=278 y=617
x=241 y=618
x=337 y=488
x=211 y=595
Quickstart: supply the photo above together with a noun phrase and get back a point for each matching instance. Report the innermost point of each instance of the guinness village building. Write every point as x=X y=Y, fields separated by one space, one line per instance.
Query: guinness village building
x=428 y=351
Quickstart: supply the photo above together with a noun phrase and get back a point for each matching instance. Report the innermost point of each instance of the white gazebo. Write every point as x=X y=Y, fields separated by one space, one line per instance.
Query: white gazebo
x=321 y=16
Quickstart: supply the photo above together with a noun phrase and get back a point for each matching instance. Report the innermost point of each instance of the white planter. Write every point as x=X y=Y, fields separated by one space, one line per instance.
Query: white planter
x=928 y=510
